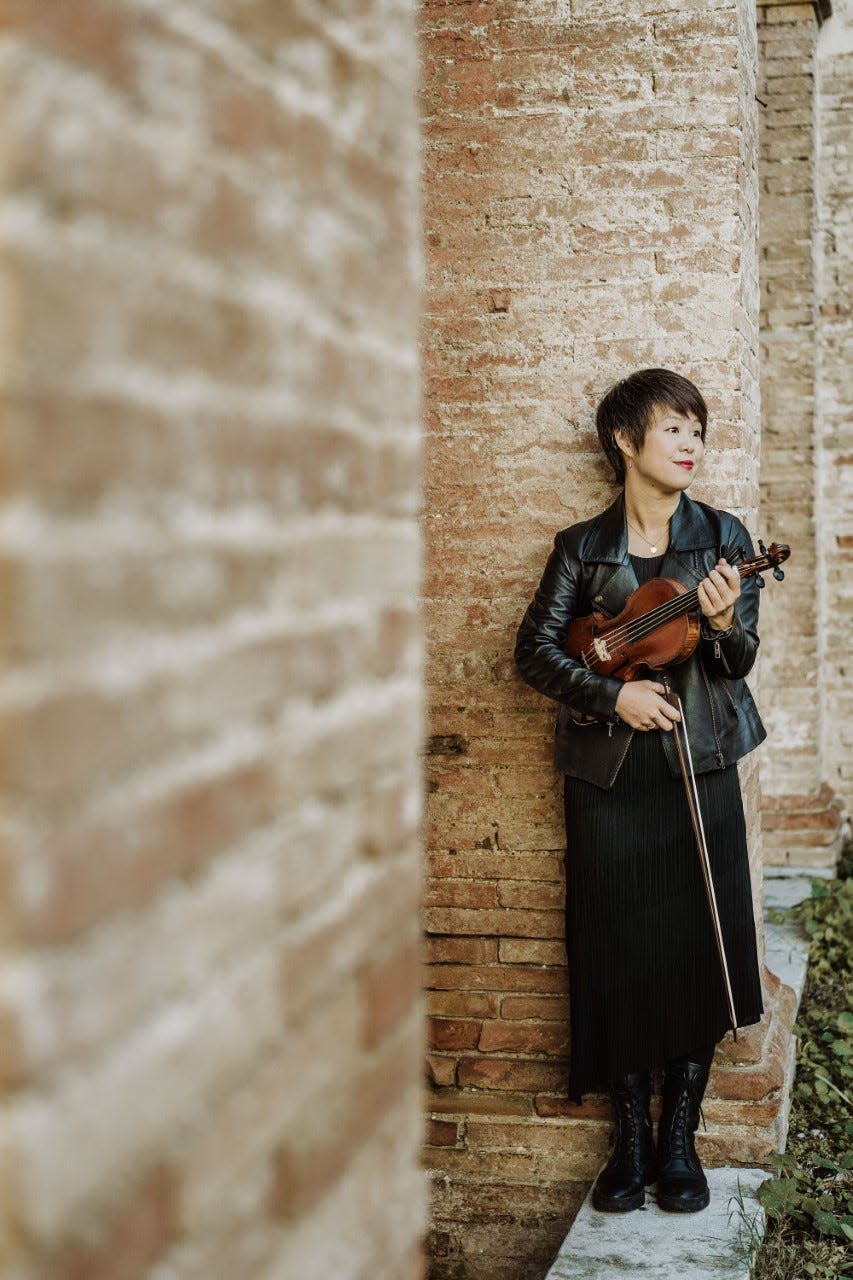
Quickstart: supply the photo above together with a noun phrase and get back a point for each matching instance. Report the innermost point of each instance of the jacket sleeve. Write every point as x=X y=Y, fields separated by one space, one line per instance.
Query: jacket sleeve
x=732 y=653
x=539 y=652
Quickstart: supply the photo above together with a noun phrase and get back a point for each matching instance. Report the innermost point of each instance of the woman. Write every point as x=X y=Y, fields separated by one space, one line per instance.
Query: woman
x=646 y=984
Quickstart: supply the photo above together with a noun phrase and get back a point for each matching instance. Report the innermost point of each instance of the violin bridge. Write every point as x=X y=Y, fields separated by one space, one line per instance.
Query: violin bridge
x=601 y=650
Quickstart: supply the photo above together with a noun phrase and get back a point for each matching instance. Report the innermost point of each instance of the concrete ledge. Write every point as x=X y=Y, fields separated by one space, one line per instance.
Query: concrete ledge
x=786 y=945
x=657 y=1245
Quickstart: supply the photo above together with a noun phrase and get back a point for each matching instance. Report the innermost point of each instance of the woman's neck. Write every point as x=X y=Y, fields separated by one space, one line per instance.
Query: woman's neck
x=649 y=511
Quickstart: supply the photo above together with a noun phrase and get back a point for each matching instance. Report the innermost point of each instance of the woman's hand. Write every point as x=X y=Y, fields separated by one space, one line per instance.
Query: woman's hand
x=717 y=594
x=641 y=706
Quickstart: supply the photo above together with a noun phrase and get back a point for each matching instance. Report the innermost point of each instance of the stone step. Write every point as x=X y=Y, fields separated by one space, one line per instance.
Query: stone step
x=657 y=1245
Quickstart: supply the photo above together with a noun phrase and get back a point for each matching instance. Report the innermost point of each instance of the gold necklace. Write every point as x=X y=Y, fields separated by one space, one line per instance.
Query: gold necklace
x=653 y=546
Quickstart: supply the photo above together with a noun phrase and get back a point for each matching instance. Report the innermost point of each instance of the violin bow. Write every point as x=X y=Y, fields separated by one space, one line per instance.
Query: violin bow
x=685 y=761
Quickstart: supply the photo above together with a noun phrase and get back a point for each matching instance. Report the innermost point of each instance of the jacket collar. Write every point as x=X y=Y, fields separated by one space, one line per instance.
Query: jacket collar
x=607 y=541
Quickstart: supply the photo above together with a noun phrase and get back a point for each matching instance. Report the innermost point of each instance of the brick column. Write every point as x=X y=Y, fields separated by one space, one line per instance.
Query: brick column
x=210 y=991
x=801 y=817
x=835 y=392
x=591 y=206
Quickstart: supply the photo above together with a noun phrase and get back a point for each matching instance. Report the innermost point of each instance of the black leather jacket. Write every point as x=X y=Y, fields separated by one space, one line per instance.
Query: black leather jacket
x=589 y=569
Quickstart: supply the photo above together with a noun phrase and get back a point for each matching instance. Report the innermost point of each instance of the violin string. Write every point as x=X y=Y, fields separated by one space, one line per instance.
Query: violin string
x=640 y=627
x=668 y=607
x=661 y=613
x=633 y=631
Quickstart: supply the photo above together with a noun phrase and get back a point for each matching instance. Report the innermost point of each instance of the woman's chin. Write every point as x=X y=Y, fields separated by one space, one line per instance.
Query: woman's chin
x=679 y=484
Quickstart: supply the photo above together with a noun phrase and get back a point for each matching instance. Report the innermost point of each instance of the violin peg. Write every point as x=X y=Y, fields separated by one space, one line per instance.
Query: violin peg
x=761 y=547
x=778 y=574
x=759 y=580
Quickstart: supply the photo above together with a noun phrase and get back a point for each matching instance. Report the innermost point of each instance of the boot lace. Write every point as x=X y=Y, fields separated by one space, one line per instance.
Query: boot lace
x=680 y=1136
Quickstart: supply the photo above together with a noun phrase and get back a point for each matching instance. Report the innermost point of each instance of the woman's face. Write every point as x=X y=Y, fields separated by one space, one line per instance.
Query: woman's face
x=672 y=450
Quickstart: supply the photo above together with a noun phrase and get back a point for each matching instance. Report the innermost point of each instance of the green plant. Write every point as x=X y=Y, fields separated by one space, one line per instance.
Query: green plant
x=808 y=1203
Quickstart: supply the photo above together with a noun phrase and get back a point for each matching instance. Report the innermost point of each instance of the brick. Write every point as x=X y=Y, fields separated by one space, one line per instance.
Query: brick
x=524 y=924
x=453 y=1033
x=526 y=951
x=523 y=1037
x=496 y=977
x=447 y=892
x=538 y=895
x=472 y=1102
x=551 y=1008
x=514 y=1074
x=475 y=865
x=442 y=1133
x=441 y=1069
x=450 y=950
x=449 y=1004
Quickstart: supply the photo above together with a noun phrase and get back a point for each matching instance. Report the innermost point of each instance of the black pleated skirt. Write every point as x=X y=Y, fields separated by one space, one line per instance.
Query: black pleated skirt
x=645 y=980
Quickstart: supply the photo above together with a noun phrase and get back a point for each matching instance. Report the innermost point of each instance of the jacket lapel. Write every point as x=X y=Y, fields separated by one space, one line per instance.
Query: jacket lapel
x=690 y=530
x=607 y=546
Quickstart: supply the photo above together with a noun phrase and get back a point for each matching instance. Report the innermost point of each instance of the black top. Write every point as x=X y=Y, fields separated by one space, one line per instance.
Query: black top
x=646 y=567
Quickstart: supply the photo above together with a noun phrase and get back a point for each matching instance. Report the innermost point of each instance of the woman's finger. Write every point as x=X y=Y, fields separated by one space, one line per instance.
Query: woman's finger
x=731 y=575
x=720 y=582
x=710 y=596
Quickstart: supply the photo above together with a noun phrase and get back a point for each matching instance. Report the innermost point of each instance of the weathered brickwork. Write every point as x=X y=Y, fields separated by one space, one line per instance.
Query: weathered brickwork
x=591 y=205
x=211 y=986
x=801 y=817
x=835 y=391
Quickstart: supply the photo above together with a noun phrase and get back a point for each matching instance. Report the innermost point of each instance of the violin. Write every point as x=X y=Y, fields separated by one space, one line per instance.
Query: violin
x=659 y=625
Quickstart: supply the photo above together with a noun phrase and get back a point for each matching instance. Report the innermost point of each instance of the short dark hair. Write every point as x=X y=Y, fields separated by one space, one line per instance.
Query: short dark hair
x=629 y=404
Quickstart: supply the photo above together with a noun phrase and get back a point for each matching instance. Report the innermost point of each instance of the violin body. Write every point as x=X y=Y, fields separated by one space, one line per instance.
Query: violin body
x=659 y=625
x=612 y=647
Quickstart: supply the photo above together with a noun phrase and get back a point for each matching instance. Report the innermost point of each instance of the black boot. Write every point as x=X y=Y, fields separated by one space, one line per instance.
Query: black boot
x=682 y=1185
x=632 y=1165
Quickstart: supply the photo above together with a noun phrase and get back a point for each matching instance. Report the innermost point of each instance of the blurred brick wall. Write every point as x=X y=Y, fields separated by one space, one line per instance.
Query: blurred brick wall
x=210 y=991
x=800 y=809
x=591 y=203
x=835 y=388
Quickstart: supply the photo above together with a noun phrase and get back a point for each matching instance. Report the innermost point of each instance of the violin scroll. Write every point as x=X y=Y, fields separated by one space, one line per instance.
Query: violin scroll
x=779 y=552
x=771 y=557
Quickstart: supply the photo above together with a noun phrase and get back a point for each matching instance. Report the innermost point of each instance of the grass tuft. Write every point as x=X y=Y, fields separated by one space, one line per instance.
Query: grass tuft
x=808 y=1202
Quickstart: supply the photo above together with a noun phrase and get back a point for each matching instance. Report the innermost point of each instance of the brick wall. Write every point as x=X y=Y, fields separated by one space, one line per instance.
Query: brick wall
x=800 y=811
x=591 y=202
x=835 y=388
x=211 y=705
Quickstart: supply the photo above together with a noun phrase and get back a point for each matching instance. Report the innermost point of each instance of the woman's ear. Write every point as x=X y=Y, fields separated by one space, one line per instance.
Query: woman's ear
x=625 y=447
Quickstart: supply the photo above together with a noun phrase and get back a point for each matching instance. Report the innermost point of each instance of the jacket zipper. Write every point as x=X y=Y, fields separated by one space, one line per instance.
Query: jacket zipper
x=720 y=761
x=720 y=656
